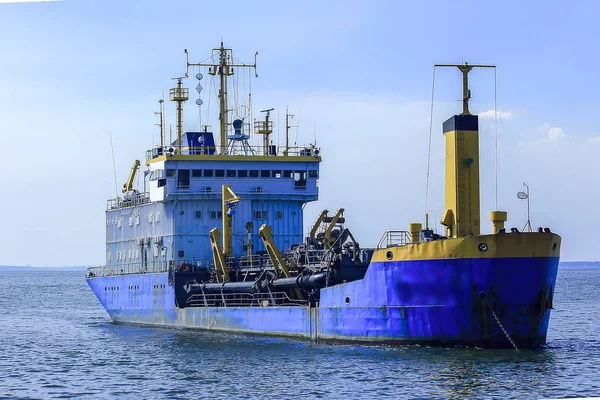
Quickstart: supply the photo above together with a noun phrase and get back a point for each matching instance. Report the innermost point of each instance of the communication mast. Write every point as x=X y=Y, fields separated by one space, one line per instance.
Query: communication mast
x=224 y=69
x=179 y=95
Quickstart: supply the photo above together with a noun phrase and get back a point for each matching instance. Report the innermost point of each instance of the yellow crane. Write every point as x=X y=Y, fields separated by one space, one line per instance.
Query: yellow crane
x=129 y=184
x=280 y=265
x=218 y=256
x=317 y=225
x=338 y=217
x=229 y=200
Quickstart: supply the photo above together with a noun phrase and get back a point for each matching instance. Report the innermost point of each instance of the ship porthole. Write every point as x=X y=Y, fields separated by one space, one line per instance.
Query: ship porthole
x=482 y=247
x=347 y=300
x=554 y=247
x=389 y=255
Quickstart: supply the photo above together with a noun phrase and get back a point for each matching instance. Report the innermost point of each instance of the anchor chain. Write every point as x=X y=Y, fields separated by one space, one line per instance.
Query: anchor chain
x=500 y=324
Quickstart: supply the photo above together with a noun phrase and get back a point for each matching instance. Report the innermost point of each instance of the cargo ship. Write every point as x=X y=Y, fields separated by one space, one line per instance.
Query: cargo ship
x=215 y=241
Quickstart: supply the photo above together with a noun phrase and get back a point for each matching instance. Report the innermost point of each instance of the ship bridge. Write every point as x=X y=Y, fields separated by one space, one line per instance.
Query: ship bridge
x=181 y=202
x=166 y=221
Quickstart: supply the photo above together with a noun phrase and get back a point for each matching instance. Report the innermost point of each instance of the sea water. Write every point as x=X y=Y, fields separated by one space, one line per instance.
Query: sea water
x=56 y=341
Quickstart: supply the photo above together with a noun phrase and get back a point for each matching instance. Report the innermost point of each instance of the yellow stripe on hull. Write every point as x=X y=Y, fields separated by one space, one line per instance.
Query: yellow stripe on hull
x=508 y=245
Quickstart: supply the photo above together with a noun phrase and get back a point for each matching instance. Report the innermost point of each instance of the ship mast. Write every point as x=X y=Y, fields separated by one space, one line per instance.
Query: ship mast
x=223 y=69
x=465 y=69
x=179 y=95
x=462 y=201
x=287 y=131
x=161 y=124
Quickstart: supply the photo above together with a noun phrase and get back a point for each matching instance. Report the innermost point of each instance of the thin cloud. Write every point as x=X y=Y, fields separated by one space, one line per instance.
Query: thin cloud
x=489 y=114
x=554 y=133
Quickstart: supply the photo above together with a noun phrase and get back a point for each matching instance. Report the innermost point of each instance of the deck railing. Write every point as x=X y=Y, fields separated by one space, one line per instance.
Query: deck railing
x=232 y=150
x=135 y=199
x=243 y=300
x=394 y=238
x=190 y=265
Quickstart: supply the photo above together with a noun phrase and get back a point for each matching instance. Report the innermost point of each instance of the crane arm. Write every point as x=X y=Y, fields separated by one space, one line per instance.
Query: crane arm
x=334 y=221
x=317 y=224
x=229 y=199
x=129 y=184
x=277 y=260
x=218 y=257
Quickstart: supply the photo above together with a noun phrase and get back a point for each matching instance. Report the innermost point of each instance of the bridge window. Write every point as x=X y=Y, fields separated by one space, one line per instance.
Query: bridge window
x=260 y=214
x=171 y=172
x=219 y=173
x=287 y=173
x=231 y=173
x=313 y=174
x=199 y=214
x=253 y=173
x=216 y=214
x=300 y=179
x=276 y=174
x=156 y=174
x=208 y=173
x=196 y=173
x=279 y=214
x=183 y=179
x=242 y=173
x=265 y=173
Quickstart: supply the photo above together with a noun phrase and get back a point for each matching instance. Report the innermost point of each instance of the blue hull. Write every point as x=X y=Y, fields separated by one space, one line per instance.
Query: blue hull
x=442 y=301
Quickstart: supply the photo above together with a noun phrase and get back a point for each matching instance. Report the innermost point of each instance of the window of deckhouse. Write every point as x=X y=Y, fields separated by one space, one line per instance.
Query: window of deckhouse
x=260 y=214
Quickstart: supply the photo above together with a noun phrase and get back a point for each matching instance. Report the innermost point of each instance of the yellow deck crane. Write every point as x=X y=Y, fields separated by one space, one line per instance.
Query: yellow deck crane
x=129 y=184
x=229 y=200
x=218 y=256
x=338 y=217
x=280 y=265
x=317 y=225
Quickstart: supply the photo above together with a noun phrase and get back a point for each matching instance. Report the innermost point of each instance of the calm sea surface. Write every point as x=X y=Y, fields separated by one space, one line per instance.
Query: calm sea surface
x=56 y=341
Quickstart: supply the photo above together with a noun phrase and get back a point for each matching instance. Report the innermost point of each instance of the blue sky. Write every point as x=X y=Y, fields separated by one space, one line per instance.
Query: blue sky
x=73 y=71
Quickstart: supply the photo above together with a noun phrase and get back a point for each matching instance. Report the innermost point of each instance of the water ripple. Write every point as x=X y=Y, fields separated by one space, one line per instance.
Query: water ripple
x=53 y=349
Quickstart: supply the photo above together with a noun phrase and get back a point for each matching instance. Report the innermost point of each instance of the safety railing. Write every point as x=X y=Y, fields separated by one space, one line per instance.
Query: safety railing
x=124 y=269
x=308 y=256
x=254 y=261
x=191 y=265
x=243 y=300
x=394 y=238
x=234 y=149
x=130 y=200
